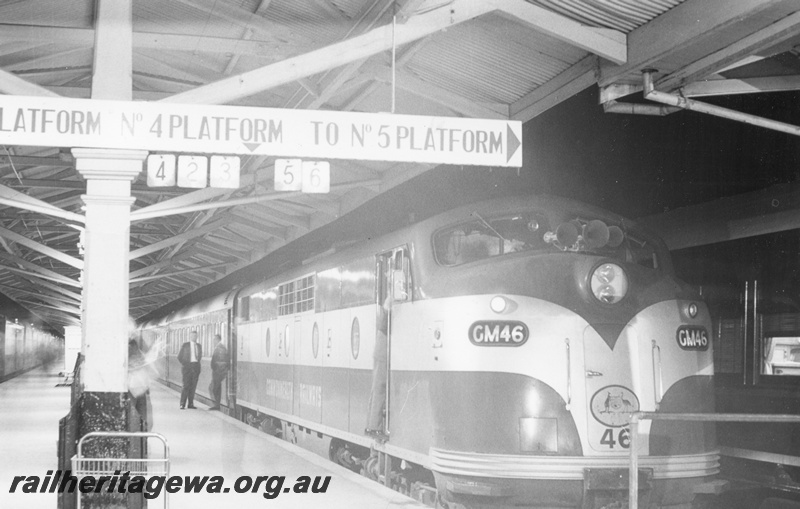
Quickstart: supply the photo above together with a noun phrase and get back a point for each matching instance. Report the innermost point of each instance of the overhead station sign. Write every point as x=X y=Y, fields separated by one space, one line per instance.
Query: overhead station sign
x=89 y=123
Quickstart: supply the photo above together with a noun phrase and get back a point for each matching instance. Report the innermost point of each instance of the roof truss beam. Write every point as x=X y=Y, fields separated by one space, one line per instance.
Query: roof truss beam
x=13 y=85
x=190 y=234
x=41 y=248
x=604 y=42
x=174 y=273
x=776 y=33
x=39 y=271
x=575 y=79
x=741 y=86
x=112 y=76
x=680 y=27
x=609 y=44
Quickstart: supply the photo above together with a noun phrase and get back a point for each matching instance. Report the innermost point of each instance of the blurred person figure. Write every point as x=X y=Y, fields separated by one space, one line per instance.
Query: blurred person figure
x=219 y=370
x=189 y=356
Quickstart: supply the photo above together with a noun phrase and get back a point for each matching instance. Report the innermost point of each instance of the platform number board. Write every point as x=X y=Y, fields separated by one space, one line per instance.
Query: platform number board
x=305 y=176
x=161 y=170
x=167 y=170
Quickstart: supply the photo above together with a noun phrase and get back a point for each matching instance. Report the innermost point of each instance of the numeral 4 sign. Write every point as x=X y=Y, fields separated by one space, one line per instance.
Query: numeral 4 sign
x=161 y=170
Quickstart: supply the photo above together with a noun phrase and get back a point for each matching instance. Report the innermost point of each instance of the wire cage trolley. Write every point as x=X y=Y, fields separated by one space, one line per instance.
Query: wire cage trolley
x=145 y=467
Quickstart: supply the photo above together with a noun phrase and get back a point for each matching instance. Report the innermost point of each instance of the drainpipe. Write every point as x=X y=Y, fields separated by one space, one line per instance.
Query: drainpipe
x=690 y=104
x=613 y=106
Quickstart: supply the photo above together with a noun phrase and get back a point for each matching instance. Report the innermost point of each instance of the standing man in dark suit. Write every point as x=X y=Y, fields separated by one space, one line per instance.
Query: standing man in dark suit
x=219 y=370
x=189 y=357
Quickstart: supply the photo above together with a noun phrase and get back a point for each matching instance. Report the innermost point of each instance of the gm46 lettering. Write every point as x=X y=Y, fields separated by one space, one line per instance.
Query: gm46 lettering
x=498 y=333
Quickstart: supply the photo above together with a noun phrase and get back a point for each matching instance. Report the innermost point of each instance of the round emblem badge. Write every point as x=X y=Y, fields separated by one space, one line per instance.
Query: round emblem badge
x=612 y=405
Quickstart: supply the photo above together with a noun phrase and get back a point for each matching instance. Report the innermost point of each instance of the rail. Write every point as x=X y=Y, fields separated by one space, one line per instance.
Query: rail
x=636 y=417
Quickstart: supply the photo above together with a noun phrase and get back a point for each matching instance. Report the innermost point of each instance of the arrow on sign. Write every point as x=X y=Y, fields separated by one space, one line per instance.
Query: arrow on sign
x=513 y=142
x=252 y=146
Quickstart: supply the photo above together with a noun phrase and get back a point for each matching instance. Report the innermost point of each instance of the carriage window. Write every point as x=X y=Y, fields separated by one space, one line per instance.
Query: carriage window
x=286 y=299
x=305 y=294
x=244 y=309
x=296 y=296
x=781 y=356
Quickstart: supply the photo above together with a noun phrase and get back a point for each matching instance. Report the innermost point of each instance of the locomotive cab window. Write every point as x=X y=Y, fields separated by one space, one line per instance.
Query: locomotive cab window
x=532 y=232
x=488 y=237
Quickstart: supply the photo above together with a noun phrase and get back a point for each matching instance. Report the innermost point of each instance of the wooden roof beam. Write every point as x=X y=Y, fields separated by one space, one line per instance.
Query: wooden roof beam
x=604 y=42
x=41 y=248
x=776 y=33
x=335 y=55
x=679 y=28
x=41 y=271
x=174 y=273
x=113 y=50
x=14 y=85
x=578 y=77
x=190 y=234
x=741 y=86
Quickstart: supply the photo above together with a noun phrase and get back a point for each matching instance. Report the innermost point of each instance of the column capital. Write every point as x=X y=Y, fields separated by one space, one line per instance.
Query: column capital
x=109 y=164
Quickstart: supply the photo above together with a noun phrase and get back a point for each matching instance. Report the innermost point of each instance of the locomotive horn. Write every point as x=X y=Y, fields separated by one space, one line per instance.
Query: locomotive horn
x=615 y=236
x=567 y=234
x=596 y=234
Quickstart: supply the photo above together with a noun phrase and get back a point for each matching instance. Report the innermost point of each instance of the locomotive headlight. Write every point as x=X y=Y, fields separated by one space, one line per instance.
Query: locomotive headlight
x=691 y=310
x=609 y=283
x=498 y=304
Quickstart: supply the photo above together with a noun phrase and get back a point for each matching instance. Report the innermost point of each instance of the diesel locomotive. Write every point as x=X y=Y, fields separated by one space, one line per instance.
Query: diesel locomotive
x=521 y=334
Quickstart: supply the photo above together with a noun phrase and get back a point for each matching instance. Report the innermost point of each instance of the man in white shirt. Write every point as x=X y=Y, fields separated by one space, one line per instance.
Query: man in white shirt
x=189 y=356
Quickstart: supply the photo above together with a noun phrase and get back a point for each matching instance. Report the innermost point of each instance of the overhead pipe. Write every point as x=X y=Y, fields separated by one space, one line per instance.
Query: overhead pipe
x=614 y=106
x=690 y=104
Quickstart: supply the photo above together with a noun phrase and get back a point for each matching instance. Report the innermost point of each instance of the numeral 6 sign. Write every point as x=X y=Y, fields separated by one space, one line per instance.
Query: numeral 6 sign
x=316 y=177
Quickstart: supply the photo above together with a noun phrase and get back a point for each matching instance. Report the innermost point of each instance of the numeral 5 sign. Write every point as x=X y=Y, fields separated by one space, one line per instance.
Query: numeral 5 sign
x=305 y=176
x=288 y=174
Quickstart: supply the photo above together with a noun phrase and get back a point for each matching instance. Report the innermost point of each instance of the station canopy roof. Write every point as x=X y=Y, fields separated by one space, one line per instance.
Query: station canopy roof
x=484 y=59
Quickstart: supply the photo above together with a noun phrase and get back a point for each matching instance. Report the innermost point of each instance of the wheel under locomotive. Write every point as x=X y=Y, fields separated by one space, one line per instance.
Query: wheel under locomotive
x=522 y=334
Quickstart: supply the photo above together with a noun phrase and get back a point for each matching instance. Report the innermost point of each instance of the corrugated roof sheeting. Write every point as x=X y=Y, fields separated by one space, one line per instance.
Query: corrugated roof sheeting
x=62 y=13
x=472 y=61
x=172 y=17
x=308 y=20
x=623 y=15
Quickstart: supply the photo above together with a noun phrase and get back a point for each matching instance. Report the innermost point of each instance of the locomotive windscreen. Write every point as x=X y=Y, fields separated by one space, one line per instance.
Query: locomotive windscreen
x=487 y=237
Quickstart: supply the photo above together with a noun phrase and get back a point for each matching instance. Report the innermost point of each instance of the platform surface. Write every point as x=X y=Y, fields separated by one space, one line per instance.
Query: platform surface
x=201 y=442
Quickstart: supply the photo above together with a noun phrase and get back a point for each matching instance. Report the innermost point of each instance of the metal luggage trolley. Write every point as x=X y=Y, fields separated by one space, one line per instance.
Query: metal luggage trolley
x=146 y=467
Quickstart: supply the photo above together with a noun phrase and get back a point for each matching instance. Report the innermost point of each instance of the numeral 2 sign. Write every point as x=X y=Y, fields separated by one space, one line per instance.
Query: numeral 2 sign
x=192 y=171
